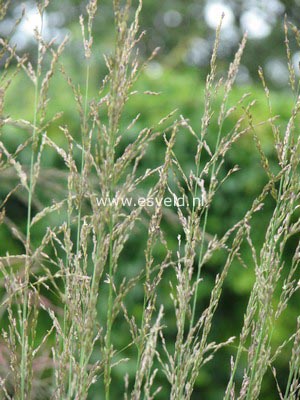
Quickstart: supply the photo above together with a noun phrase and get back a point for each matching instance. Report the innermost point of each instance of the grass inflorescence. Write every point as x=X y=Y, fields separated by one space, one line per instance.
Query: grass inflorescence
x=70 y=268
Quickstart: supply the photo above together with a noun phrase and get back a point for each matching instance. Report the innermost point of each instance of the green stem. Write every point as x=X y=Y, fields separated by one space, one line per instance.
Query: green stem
x=24 y=324
x=203 y=232
x=83 y=356
x=83 y=154
x=109 y=313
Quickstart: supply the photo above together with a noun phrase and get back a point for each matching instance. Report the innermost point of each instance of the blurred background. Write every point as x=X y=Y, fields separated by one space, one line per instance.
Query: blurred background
x=184 y=31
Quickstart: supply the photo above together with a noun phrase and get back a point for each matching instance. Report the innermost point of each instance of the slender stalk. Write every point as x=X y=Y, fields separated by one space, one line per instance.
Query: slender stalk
x=24 y=325
x=85 y=128
x=111 y=157
x=109 y=313
x=83 y=358
x=201 y=251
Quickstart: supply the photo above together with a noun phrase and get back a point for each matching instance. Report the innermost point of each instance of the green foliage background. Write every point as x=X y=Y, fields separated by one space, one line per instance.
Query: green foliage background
x=181 y=87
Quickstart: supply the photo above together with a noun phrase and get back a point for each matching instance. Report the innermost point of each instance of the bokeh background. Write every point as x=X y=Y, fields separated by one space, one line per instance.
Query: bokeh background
x=184 y=31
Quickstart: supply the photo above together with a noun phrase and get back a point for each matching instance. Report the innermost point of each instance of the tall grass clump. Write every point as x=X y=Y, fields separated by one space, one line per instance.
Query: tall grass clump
x=76 y=323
